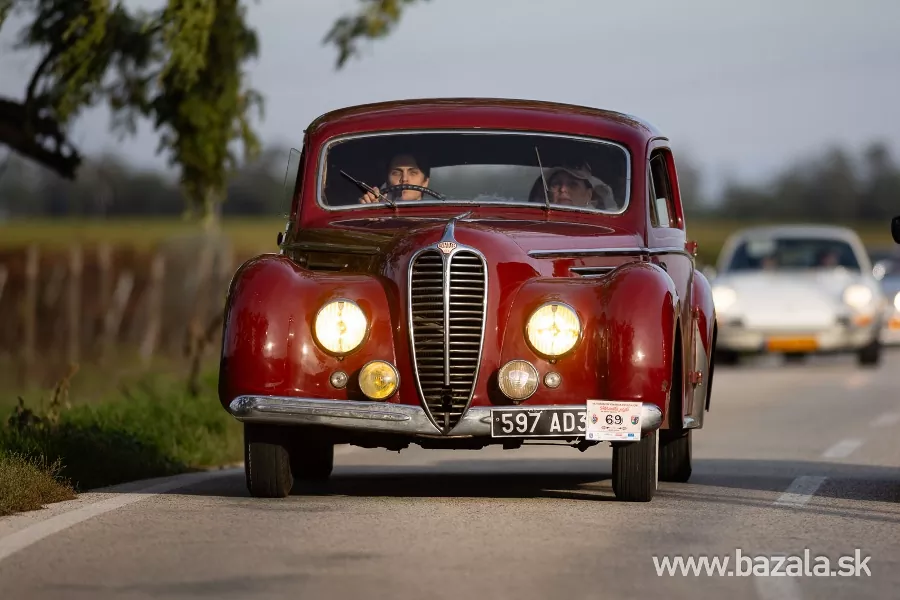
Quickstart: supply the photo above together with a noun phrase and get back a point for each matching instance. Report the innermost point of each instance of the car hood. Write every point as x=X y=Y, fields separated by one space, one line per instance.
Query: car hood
x=498 y=239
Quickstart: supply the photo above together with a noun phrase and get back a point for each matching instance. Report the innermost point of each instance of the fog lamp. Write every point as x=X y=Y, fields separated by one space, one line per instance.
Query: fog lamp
x=518 y=379
x=378 y=379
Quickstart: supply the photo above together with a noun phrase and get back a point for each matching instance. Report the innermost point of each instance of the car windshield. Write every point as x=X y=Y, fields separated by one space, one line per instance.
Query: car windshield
x=792 y=253
x=474 y=167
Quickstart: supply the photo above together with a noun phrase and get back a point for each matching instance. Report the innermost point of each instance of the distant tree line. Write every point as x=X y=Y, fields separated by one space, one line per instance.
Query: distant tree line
x=834 y=185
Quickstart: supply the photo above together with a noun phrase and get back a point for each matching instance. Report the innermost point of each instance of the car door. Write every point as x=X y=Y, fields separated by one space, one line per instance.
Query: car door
x=667 y=240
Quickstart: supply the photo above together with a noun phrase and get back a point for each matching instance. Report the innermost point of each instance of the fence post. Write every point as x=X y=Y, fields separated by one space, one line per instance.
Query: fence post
x=29 y=313
x=116 y=311
x=154 y=309
x=76 y=263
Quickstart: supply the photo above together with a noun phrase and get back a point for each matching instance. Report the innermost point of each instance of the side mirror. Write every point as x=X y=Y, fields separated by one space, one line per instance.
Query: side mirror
x=691 y=247
x=895 y=229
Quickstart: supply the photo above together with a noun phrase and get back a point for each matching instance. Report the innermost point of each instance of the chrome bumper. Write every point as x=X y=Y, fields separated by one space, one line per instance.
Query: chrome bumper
x=381 y=417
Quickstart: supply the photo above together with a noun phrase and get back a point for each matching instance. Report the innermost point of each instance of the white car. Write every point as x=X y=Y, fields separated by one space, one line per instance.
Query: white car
x=797 y=290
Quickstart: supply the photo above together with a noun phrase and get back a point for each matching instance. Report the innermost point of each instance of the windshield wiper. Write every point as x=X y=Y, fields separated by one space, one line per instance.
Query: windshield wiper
x=543 y=181
x=368 y=188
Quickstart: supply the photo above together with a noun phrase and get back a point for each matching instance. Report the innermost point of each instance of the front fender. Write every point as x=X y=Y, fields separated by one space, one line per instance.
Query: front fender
x=267 y=340
x=625 y=352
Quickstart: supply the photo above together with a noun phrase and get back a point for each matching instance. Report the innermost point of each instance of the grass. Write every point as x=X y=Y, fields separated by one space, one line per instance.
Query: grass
x=152 y=429
x=28 y=484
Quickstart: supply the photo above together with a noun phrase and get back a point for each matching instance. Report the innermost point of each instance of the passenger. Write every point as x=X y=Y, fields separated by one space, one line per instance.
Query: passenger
x=577 y=186
x=403 y=168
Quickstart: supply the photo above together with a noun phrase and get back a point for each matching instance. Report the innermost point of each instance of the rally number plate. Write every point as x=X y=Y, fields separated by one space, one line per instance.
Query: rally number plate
x=531 y=422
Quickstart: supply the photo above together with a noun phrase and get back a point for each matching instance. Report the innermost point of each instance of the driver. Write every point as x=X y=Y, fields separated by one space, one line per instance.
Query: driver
x=403 y=168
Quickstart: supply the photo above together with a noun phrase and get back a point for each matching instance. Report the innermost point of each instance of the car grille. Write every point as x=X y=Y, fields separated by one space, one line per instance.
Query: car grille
x=447 y=331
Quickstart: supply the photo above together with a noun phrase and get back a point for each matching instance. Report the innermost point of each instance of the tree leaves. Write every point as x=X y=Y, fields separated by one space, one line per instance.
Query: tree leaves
x=375 y=19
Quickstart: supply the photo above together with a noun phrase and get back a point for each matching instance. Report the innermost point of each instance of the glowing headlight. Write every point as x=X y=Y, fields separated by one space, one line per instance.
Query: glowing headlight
x=857 y=296
x=340 y=326
x=553 y=329
x=723 y=297
x=897 y=301
x=378 y=379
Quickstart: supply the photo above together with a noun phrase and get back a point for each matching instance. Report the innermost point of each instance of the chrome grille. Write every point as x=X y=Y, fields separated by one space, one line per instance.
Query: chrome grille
x=447 y=304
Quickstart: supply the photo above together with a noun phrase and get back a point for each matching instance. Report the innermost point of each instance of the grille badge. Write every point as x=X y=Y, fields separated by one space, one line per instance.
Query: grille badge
x=447 y=247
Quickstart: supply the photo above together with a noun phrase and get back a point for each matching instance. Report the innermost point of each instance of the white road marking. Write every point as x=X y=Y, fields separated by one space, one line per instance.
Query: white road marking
x=23 y=538
x=778 y=587
x=842 y=449
x=800 y=491
x=886 y=420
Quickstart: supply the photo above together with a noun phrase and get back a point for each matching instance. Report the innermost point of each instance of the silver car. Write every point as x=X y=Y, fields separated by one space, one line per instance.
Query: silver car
x=797 y=290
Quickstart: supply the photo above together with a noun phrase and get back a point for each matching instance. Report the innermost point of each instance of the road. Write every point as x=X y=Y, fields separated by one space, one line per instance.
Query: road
x=792 y=457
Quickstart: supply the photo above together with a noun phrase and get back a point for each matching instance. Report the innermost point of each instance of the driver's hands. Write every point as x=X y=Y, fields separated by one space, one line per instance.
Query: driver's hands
x=369 y=198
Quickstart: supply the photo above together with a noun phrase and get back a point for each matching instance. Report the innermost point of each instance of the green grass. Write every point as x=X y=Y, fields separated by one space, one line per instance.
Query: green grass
x=154 y=429
x=29 y=483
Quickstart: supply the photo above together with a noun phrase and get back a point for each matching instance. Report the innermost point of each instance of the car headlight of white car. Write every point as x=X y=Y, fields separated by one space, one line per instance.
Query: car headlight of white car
x=858 y=296
x=723 y=297
x=897 y=301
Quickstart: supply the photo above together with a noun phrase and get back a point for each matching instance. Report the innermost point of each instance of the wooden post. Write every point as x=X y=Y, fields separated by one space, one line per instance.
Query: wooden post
x=29 y=313
x=116 y=311
x=76 y=263
x=104 y=265
x=154 y=309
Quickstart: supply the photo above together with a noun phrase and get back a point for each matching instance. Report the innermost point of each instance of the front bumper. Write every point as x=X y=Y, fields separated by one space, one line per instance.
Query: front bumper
x=837 y=338
x=383 y=417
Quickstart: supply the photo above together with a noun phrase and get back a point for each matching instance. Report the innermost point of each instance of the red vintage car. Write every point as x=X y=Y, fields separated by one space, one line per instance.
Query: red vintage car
x=457 y=273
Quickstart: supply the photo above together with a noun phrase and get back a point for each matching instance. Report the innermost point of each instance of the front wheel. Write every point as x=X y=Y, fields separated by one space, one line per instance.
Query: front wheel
x=870 y=355
x=634 y=469
x=267 y=463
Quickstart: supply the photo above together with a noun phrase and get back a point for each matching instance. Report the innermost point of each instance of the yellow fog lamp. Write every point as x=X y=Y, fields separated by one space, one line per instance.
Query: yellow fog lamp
x=553 y=329
x=340 y=326
x=518 y=379
x=378 y=379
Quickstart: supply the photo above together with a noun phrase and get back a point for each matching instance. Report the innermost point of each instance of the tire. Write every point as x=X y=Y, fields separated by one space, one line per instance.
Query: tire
x=870 y=355
x=267 y=463
x=312 y=460
x=634 y=469
x=675 y=455
x=728 y=358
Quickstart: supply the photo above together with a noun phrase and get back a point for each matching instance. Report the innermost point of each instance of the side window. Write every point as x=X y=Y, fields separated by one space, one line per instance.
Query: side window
x=662 y=207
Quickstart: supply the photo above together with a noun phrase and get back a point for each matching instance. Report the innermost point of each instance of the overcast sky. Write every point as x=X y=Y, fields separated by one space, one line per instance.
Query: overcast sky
x=744 y=87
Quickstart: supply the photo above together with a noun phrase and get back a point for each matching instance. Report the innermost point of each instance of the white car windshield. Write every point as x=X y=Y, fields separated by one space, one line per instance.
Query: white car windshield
x=792 y=253
x=473 y=166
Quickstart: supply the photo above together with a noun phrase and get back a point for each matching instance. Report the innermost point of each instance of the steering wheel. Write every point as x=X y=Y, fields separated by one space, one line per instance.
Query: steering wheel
x=409 y=186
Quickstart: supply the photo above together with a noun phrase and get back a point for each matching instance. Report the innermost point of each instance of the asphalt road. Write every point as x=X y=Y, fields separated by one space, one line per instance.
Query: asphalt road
x=791 y=458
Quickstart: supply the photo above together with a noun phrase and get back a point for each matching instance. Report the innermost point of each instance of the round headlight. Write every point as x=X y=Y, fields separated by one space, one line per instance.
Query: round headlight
x=378 y=379
x=518 y=379
x=553 y=329
x=723 y=297
x=857 y=296
x=340 y=326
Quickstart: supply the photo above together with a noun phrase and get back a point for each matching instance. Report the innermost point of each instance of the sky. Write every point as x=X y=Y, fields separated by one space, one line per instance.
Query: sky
x=742 y=88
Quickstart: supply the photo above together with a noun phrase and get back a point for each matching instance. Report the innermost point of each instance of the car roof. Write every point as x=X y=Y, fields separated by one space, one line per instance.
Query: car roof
x=544 y=114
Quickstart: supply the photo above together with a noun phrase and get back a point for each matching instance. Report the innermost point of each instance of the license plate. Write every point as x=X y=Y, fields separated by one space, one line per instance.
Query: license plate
x=540 y=422
x=792 y=344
